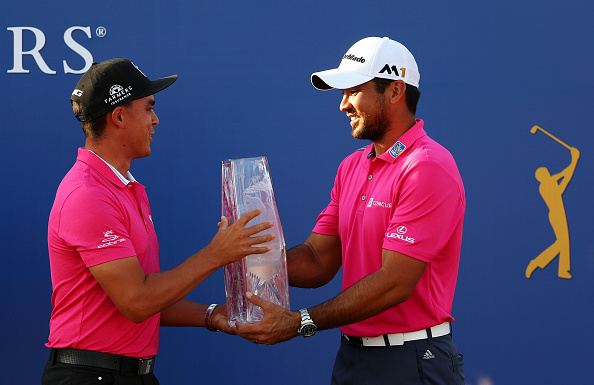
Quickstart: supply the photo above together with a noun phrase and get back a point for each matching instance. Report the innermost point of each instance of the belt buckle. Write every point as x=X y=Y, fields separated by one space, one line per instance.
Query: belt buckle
x=145 y=366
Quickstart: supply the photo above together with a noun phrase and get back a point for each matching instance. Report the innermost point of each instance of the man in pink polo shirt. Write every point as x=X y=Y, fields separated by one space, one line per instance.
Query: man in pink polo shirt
x=394 y=224
x=109 y=295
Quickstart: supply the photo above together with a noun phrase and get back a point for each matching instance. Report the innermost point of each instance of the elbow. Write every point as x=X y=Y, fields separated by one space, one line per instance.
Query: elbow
x=324 y=275
x=403 y=298
x=400 y=295
x=135 y=312
x=322 y=280
x=137 y=318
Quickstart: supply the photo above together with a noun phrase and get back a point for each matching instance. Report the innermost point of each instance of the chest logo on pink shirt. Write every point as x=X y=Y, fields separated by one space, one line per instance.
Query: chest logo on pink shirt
x=110 y=239
x=374 y=203
x=400 y=234
x=397 y=149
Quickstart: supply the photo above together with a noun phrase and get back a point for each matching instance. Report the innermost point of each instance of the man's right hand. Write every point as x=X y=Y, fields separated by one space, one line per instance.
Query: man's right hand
x=231 y=243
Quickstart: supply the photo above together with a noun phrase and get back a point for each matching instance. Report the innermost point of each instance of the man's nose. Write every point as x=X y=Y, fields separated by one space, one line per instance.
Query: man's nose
x=345 y=103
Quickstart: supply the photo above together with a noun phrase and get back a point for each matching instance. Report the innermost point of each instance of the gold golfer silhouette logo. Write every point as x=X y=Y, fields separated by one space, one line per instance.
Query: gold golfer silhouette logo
x=551 y=189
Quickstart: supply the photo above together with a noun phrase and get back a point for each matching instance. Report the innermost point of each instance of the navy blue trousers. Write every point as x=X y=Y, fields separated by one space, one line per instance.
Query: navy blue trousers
x=433 y=361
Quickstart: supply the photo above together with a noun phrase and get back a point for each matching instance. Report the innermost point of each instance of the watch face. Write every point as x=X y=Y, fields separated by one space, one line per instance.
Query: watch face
x=308 y=330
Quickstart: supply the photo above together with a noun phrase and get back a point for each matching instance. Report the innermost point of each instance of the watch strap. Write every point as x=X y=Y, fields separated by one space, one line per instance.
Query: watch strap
x=307 y=327
x=207 y=316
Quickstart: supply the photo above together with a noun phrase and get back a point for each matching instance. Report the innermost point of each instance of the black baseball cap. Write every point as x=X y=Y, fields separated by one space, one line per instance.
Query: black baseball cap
x=113 y=83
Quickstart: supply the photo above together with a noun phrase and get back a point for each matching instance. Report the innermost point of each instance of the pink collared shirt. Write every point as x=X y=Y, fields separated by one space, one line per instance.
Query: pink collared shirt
x=98 y=216
x=409 y=200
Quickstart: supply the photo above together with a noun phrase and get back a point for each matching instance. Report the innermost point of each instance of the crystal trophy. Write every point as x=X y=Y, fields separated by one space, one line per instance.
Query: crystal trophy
x=246 y=186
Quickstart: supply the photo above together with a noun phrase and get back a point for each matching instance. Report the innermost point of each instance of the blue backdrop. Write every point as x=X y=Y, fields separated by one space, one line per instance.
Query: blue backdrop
x=489 y=72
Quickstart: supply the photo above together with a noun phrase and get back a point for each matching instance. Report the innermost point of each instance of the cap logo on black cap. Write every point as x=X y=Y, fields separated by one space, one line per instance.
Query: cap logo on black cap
x=117 y=93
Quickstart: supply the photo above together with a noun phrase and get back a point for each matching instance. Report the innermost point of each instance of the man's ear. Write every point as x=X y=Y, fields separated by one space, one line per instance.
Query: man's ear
x=396 y=91
x=117 y=116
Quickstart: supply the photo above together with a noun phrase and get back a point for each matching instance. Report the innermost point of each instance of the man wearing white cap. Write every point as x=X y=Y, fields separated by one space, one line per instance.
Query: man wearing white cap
x=394 y=225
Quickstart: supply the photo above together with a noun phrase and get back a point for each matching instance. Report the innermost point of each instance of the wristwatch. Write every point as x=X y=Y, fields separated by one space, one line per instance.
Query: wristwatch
x=307 y=328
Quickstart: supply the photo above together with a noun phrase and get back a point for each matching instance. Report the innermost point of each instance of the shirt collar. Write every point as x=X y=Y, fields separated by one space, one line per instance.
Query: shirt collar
x=404 y=142
x=125 y=179
x=108 y=171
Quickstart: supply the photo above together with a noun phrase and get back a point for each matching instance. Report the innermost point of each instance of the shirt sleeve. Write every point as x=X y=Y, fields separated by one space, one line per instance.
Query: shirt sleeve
x=93 y=223
x=428 y=208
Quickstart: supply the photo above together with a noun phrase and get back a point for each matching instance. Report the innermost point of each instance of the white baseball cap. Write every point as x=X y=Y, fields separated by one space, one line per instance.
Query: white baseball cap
x=367 y=59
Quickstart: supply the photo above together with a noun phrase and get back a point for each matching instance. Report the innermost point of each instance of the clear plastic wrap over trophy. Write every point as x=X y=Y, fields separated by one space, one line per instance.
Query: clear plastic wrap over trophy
x=246 y=186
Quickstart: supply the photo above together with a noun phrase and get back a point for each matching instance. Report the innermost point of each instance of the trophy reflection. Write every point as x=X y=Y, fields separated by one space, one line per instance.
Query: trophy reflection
x=246 y=186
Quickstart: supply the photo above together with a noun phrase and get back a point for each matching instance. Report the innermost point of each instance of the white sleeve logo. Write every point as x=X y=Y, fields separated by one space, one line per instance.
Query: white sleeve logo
x=399 y=234
x=110 y=239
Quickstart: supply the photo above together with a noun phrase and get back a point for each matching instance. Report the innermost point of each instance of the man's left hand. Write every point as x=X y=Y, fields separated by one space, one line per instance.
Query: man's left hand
x=219 y=321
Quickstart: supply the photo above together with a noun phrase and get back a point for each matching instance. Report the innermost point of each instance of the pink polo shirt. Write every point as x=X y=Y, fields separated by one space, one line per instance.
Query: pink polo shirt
x=97 y=217
x=409 y=200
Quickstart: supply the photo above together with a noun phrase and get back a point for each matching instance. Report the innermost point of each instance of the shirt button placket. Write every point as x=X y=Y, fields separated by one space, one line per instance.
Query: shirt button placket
x=369 y=177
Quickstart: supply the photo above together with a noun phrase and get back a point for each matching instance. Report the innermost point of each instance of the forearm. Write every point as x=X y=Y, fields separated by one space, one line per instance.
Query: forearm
x=389 y=286
x=139 y=296
x=189 y=313
x=370 y=296
x=184 y=313
x=162 y=290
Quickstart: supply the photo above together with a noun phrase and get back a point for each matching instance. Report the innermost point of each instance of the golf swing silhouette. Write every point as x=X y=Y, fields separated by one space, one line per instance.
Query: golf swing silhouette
x=551 y=189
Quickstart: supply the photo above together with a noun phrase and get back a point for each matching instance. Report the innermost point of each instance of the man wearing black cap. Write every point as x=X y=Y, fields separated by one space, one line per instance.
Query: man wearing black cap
x=394 y=225
x=109 y=295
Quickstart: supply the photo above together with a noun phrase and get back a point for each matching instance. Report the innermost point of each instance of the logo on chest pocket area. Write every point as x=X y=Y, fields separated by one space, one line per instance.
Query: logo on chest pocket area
x=376 y=203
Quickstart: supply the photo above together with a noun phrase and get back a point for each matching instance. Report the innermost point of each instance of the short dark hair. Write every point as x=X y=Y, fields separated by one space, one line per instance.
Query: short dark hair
x=93 y=129
x=412 y=93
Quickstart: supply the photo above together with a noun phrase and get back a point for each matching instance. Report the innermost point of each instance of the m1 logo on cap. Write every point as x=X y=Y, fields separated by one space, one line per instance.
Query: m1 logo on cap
x=117 y=93
x=391 y=69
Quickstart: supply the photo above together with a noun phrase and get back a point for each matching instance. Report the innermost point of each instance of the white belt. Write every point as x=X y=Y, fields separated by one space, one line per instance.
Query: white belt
x=400 y=338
